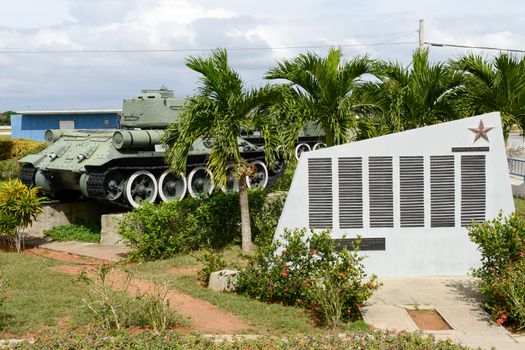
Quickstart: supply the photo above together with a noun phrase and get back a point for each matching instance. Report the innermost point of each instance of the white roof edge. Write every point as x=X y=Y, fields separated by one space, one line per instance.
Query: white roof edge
x=71 y=111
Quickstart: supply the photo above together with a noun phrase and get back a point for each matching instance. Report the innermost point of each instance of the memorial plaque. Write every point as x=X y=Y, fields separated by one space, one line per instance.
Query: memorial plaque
x=375 y=243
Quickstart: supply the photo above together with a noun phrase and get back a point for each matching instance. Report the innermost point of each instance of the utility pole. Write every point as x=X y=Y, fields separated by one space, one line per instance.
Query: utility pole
x=421 y=33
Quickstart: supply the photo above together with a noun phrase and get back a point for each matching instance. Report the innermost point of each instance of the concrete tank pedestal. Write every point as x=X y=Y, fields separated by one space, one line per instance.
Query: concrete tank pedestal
x=60 y=213
x=109 y=229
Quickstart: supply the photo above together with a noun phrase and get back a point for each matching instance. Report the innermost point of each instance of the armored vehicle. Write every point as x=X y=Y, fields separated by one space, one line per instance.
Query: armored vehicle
x=126 y=166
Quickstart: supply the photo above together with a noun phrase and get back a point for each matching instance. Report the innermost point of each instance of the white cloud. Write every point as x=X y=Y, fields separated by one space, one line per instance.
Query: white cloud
x=104 y=79
x=25 y=14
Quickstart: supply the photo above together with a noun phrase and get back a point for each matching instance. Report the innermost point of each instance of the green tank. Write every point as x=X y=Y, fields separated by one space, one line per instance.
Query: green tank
x=126 y=166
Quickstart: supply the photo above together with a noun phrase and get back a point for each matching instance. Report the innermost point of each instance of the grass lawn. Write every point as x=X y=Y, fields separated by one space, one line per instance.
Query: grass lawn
x=37 y=296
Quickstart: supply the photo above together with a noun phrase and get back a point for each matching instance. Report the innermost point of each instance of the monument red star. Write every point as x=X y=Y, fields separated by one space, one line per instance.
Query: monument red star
x=480 y=131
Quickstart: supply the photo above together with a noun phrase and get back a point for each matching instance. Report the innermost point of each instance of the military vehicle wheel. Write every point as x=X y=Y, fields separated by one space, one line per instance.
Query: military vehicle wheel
x=277 y=167
x=260 y=178
x=302 y=147
x=200 y=181
x=231 y=184
x=141 y=186
x=319 y=145
x=114 y=183
x=171 y=186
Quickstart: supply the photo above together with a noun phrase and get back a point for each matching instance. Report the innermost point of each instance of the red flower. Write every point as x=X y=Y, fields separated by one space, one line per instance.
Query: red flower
x=522 y=255
x=372 y=328
x=284 y=274
x=314 y=251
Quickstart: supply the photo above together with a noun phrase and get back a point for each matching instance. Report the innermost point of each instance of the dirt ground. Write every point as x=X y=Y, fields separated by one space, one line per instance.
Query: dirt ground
x=428 y=320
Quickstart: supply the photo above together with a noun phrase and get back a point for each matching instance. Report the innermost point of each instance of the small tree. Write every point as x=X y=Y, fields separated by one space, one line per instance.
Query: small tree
x=19 y=206
x=219 y=111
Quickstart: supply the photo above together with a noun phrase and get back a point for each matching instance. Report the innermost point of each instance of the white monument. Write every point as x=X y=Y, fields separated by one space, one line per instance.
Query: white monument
x=409 y=195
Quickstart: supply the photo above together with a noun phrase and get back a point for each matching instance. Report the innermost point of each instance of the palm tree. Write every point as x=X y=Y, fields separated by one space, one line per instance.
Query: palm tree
x=409 y=97
x=321 y=90
x=498 y=85
x=219 y=110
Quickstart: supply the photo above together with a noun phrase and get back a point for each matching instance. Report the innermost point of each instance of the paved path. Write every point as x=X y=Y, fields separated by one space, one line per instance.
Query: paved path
x=456 y=299
x=109 y=252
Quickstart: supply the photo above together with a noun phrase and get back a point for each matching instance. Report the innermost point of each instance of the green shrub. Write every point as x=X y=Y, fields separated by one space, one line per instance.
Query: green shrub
x=306 y=272
x=5 y=149
x=502 y=245
x=22 y=147
x=8 y=169
x=19 y=205
x=163 y=230
x=212 y=262
x=81 y=231
x=268 y=217
x=283 y=183
x=95 y=339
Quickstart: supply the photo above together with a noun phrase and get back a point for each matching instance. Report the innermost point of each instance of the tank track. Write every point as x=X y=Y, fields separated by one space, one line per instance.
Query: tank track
x=27 y=175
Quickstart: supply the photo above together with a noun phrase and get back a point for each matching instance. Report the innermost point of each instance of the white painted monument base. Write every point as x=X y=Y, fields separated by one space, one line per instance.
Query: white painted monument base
x=413 y=192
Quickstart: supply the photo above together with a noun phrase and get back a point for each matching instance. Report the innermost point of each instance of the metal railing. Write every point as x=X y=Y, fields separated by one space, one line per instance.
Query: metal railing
x=516 y=166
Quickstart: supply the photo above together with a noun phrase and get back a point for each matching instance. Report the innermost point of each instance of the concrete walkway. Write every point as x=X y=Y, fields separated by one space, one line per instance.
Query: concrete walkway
x=456 y=299
x=109 y=252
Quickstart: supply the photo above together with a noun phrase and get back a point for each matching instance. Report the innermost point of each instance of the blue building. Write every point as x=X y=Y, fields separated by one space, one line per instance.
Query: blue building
x=32 y=124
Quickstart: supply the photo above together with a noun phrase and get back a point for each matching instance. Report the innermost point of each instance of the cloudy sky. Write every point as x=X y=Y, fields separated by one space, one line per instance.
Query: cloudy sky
x=43 y=66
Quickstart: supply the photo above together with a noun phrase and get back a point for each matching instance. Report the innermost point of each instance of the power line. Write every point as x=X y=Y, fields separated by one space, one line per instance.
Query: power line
x=187 y=50
x=473 y=47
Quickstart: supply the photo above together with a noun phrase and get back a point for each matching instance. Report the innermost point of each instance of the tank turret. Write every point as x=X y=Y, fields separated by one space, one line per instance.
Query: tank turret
x=151 y=109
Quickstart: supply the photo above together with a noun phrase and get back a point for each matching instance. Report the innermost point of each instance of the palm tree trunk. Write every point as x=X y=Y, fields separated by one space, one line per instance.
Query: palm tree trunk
x=246 y=230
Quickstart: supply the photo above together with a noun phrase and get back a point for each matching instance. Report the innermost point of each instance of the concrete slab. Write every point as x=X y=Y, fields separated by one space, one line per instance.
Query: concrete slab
x=456 y=299
x=388 y=317
x=109 y=252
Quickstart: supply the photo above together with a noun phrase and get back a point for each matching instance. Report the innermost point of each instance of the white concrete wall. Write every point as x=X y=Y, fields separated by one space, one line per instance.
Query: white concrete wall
x=421 y=251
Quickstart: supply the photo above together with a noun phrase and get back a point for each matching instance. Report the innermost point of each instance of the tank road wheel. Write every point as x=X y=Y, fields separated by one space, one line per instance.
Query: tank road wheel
x=277 y=167
x=141 y=186
x=319 y=145
x=114 y=183
x=171 y=186
x=260 y=178
x=200 y=181
x=302 y=147
x=231 y=184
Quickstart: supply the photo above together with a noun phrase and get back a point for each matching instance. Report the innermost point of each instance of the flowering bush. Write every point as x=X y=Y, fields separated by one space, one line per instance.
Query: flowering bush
x=309 y=272
x=502 y=274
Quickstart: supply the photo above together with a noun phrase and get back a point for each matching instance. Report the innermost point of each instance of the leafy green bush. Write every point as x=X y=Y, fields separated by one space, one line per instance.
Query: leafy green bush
x=8 y=169
x=307 y=272
x=502 y=245
x=283 y=183
x=95 y=339
x=268 y=217
x=163 y=230
x=81 y=231
x=19 y=205
x=212 y=262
